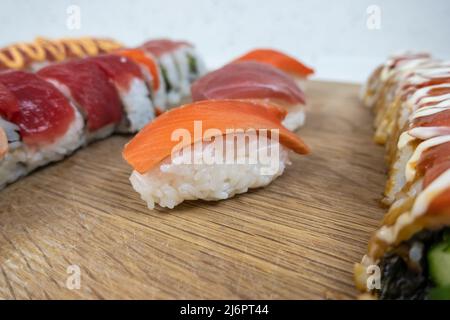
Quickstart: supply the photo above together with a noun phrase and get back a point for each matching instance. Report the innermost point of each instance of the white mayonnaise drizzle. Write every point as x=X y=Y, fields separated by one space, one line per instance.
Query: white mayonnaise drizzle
x=389 y=234
x=433 y=109
x=402 y=66
x=410 y=170
x=421 y=95
x=424 y=133
x=404 y=139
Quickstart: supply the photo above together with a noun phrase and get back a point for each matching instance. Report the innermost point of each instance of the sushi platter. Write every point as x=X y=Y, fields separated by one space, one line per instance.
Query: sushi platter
x=136 y=172
x=289 y=240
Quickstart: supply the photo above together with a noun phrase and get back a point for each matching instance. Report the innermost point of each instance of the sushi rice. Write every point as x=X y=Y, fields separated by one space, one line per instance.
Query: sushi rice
x=175 y=180
x=158 y=96
x=64 y=146
x=21 y=159
x=13 y=161
x=139 y=109
x=295 y=117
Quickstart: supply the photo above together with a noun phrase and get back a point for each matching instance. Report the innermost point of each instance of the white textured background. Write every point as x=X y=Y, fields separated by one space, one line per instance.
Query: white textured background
x=332 y=36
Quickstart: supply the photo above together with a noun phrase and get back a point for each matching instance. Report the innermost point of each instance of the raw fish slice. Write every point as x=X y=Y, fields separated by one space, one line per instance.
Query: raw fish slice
x=151 y=66
x=91 y=91
x=129 y=80
x=159 y=47
x=153 y=143
x=279 y=60
x=45 y=114
x=254 y=80
x=46 y=128
x=247 y=80
x=139 y=56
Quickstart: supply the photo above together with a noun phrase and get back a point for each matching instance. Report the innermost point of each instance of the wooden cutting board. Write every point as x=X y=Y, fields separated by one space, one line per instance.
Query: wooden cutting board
x=297 y=238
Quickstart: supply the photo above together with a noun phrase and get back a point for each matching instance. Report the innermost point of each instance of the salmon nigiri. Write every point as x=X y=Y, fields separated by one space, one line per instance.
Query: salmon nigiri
x=279 y=60
x=210 y=150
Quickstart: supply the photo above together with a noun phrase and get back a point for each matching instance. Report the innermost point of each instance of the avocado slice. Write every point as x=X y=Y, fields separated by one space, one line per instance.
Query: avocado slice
x=439 y=293
x=439 y=262
x=166 y=79
x=192 y=64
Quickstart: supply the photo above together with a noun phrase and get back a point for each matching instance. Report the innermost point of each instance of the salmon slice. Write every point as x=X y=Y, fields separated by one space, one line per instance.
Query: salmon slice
x=153 y=143
x=140 y=57
x=279 y=60
x=3 y=143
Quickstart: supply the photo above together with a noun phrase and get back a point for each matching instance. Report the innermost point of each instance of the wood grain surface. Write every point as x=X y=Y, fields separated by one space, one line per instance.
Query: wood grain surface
x=295 y=239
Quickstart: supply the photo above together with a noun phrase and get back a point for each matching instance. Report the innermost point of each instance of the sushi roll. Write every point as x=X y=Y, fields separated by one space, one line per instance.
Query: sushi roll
x=67 y=104
x=425 y=114
x=414 y=89
x=386 y=74
x=41 y=125
x=129 y=80
x=86 y=85
x=191 y=152
x=255 y=81
x=410 y=249
x=152 y=74
x=42 y=51
x=12 y=155
x=299 y=71
x=180 y=65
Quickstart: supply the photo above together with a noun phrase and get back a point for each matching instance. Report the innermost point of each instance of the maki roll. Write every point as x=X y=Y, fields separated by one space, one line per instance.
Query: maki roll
x=411 y=249
x=387 y=74
x=299 y=71
x=209 y=163
x=129 y=80
x=12 y=154
x=254 y=81
x=152 y=75
x=180 y=65
x=410 y=86
x=65 y=105
x=88 y=87
x=41 y=125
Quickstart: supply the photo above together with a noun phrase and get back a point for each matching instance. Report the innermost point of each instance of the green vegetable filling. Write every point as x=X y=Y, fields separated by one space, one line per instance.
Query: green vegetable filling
x=166 y=79
x=418 y=268
x=439 y=267
x=192 y=65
